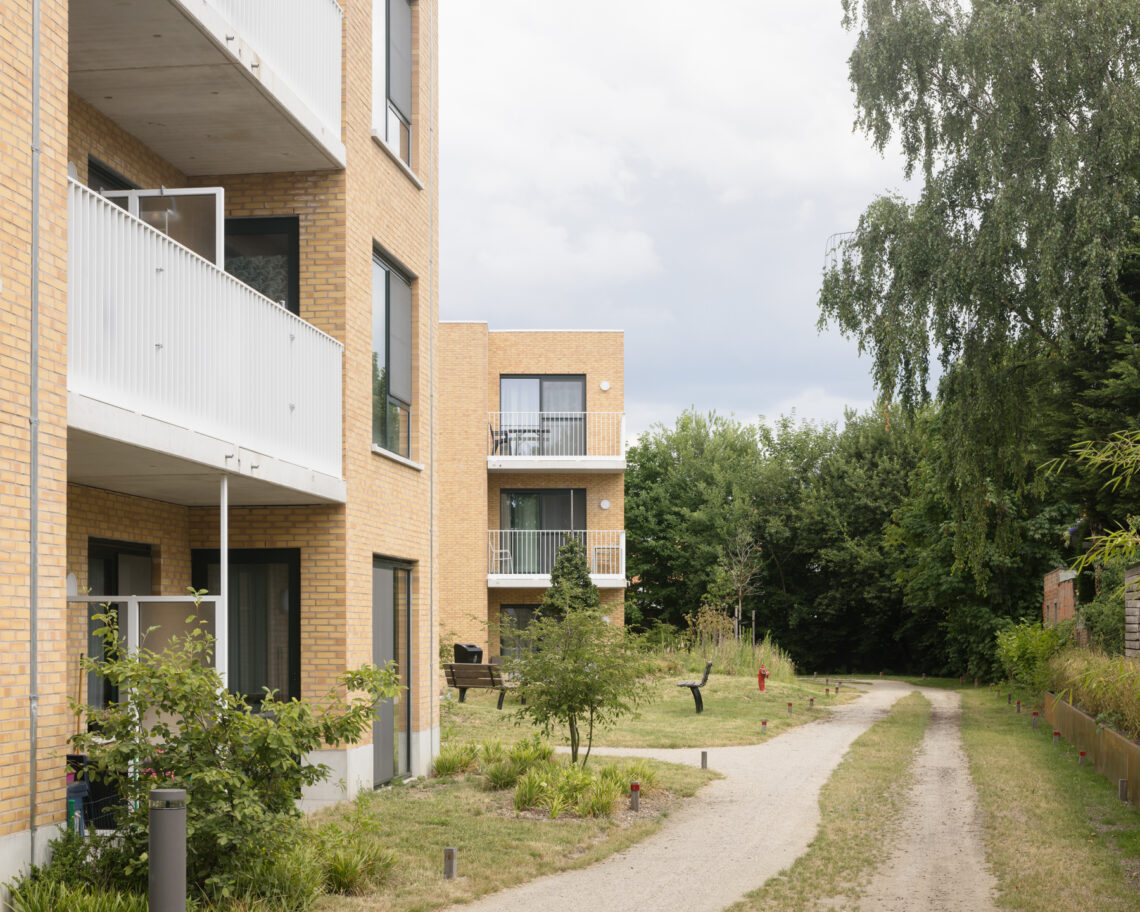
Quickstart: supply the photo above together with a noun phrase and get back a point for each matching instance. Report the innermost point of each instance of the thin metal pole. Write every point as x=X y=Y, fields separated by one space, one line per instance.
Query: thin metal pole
x=221 y=637
x=34 y=443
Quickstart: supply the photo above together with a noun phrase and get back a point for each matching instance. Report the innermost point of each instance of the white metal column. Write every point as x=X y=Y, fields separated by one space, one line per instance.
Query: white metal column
x=222 y=617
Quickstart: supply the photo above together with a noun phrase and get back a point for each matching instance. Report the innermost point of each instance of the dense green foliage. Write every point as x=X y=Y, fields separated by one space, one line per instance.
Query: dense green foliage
x=242 y=770
x=1105 y=687
x=1025 y=651
x=858 y=568
x=1016 y=262
x=580 y=670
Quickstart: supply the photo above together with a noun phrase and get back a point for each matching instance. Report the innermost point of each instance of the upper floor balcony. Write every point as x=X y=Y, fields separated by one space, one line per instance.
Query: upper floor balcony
x=177 y=373
x=524 y=558
x=216 y=86
x=544 y=441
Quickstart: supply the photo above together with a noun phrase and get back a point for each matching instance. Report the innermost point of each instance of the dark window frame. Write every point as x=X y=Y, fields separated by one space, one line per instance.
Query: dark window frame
x=106 y=177
x=273 y=224
x=401 y=406
x=202 y=558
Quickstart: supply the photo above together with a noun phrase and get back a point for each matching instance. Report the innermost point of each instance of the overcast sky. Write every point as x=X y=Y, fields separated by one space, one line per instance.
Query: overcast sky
x=669 y=169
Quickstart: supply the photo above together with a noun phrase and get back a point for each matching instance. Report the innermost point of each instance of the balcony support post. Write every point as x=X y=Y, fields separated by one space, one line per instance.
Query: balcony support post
x=221 y=616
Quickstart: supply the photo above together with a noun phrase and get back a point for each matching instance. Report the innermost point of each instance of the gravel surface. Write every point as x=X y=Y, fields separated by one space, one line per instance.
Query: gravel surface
x=937 y=863
x=729 y=839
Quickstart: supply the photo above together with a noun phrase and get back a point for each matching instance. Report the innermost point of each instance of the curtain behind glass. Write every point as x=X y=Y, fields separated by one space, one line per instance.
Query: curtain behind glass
x=564 y=433
x=520 y=401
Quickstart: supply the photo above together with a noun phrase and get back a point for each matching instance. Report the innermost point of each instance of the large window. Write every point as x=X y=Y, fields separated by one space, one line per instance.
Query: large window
x=392 y=75
x=265 y=254
x=264 y=617
x=535 y=524
x=391 y=359
x=542 y=415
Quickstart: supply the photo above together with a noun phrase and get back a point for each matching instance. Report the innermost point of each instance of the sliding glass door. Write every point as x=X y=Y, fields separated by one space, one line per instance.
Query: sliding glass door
x=392 y=642
x=543 y=415
x=535 y=523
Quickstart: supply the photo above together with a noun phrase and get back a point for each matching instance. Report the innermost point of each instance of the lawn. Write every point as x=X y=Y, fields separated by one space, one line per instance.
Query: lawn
x=497 y=847
x=1057 y=836
x=734 y=707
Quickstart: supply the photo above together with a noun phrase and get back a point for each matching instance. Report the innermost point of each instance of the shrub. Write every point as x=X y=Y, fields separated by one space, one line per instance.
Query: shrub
x=1025 y=649
x=455 y=758
x=532 y=787
x=42 y=895
x=491 y=752
x=242 y=770
x=599 y=799
x=502 y=775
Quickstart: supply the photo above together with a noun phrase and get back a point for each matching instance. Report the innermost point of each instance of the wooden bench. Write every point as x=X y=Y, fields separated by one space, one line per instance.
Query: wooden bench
x=695 y=687
x=465 y=675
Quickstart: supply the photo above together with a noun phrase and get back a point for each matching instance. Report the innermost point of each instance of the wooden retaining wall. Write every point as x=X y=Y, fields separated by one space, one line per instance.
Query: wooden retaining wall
x=1113 y=756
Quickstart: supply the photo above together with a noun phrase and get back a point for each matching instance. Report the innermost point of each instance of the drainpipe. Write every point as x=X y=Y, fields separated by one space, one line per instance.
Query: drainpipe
x=432 y=651
x=34 y=442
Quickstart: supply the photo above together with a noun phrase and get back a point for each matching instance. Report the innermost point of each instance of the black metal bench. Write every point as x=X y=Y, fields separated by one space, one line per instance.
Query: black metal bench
x=695 y=687
x=465 y=675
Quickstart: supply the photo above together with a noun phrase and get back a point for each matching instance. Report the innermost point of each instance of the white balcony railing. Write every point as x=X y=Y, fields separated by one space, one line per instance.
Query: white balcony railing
x=301 y=40
x=557 y=434
x=523 y=552
x=155 y=329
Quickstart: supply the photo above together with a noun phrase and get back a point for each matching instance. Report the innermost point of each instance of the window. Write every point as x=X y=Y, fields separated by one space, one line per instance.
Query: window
x=264 y=606
x=542 y=416
x=392 y=75
x=391 y=359
x=535 y=523
x=102 y=177
x=265 y=254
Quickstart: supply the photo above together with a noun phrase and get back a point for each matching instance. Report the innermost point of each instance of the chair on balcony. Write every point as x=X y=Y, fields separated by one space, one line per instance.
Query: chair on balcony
x=499 y=438
x=502 y=561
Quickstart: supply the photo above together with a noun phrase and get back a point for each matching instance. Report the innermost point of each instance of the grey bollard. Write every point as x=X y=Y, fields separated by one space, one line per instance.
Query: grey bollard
x=167 y=859
x=635 y=796
x=704 y=760
x=450 y=863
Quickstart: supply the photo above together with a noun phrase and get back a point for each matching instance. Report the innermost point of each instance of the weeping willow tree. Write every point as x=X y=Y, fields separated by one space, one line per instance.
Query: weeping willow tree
x=1020 y=121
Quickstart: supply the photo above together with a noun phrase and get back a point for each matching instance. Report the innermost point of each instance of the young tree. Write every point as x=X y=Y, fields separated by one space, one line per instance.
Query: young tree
x=739 y=571
x=581 y=671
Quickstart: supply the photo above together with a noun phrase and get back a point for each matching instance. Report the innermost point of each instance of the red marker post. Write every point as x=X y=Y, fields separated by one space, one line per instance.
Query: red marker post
x=634 y=796
x=761 y=677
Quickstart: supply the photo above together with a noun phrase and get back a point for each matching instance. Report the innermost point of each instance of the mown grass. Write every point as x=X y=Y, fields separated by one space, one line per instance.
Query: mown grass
x=497 y=847
x=1057 y=836
x=864 y=796
x=734 y=707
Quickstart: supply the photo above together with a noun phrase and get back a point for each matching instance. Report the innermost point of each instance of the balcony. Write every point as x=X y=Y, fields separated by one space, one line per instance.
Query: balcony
x=178 y=373
x=556 y=441
x=216 y=86
x=523 y=558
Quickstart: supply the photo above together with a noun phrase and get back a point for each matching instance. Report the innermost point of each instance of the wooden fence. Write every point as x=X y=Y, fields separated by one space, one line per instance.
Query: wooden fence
x=1112 y=755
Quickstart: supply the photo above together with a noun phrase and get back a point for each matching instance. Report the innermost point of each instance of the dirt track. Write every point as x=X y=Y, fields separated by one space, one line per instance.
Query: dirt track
x=741 y=830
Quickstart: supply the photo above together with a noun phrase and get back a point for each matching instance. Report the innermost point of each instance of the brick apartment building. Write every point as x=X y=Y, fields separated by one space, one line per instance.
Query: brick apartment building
x=534 y=424
x=1059 y=598
x=218 y=337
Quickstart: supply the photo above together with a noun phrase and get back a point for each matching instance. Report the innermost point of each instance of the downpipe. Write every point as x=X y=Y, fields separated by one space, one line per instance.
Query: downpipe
x=34 y=444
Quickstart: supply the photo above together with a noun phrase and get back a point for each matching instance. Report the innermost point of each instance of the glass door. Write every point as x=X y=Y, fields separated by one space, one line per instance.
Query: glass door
x=391 y=642
x=192 y=216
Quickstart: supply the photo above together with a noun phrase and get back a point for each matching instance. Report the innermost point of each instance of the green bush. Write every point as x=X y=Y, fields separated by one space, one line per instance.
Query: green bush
x=502 y=774
x=456 y=758
x=600 y=799
x=1025 y=649
x=242 y=770
x=42 y=895
x=1103 y=617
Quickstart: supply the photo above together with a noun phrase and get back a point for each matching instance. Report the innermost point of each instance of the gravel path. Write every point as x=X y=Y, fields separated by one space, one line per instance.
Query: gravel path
x=937 y=863
x=727 y=841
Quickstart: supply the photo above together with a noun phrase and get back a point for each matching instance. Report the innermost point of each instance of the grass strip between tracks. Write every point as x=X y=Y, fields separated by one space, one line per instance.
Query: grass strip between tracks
x=858 y=806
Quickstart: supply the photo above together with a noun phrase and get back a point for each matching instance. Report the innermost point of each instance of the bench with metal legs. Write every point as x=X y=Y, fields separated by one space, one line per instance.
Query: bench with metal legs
x=695 y=687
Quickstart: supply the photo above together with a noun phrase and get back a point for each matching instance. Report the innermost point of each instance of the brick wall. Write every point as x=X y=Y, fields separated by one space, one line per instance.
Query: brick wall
x=16 y=301
x=1060 y=601
x=473 y=359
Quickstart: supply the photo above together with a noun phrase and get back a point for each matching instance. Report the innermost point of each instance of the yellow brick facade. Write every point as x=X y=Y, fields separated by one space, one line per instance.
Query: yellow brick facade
x=344 y=216
x=473 y=359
